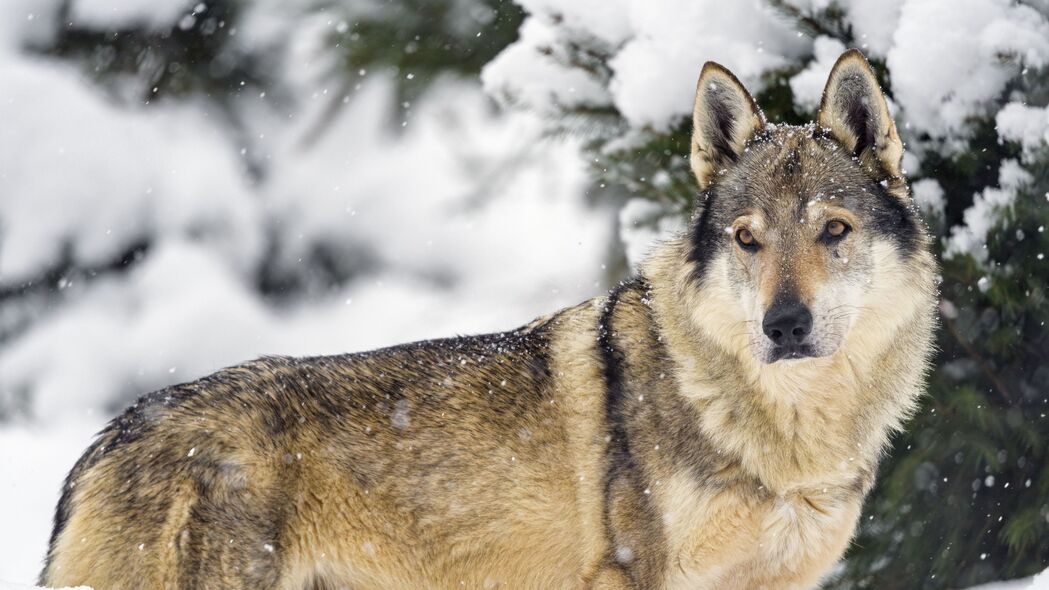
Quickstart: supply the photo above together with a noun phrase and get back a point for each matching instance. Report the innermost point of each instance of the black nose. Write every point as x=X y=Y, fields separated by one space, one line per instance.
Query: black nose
x=787 y=323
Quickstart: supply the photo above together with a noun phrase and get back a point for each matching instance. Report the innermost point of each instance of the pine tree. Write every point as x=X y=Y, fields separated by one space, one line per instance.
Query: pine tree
x=964 y=496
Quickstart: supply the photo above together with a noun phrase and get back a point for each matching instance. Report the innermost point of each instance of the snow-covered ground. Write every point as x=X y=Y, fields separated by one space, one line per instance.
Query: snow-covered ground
x=1039 y=582
x=33 y=464
x=9 y=586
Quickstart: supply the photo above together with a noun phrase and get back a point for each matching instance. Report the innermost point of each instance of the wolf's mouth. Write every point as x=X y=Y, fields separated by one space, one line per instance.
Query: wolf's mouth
x=791 y=352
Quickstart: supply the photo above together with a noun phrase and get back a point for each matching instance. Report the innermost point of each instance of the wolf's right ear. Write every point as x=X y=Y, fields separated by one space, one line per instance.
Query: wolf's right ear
x=724 y=119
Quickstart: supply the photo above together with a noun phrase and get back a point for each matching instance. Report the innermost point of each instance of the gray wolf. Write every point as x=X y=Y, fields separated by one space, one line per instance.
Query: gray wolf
x=714 y=422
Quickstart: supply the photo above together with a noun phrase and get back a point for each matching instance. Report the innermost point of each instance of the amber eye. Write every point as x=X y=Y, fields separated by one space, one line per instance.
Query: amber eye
x=746 y=239
x=836 y=229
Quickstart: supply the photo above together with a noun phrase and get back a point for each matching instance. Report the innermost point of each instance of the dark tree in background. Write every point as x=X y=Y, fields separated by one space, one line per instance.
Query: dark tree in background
x=963 y=497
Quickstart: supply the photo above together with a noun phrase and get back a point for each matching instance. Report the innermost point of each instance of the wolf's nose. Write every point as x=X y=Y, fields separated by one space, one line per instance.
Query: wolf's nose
x=787 y=323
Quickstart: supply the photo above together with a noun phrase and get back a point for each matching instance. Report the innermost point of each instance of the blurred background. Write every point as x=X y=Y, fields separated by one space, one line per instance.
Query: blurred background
x=185 y=185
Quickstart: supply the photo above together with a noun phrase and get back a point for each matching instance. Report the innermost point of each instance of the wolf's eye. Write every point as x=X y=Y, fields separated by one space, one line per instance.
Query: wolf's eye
x=746 y=240
x=835 y=230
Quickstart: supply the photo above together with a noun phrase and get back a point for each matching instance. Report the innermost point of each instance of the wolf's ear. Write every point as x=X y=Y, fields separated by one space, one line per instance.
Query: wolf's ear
x=853 y=109
x=725 y=117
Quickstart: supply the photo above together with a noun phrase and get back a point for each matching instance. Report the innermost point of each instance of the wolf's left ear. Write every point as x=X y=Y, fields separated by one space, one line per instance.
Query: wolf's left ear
x=853 y=109
x=725 y=117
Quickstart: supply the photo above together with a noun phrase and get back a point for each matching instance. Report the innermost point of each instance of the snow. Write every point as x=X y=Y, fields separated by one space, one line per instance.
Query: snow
x=807 y=85
x=184 y=178
x=30 y=482
x=428 y=219
x=642 y=223
x=27 y=22
x=9 y=586
x=874 y=23
x=117 y=14
x=452 y=143
x=930 y=197
x=668 y=47
x=980 y=217
x=1024 y=124
x=607 y=20
x=1038 y=582
x=650 y=49
x=523 y=76
x=943 y=75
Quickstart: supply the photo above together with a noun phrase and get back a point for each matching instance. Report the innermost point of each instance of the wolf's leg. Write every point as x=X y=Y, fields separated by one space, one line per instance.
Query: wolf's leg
x=98 y=550
x=232 y=539
x=170 y=536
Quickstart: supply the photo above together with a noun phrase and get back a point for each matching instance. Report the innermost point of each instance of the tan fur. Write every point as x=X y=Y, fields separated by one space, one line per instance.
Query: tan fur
x=634 y=441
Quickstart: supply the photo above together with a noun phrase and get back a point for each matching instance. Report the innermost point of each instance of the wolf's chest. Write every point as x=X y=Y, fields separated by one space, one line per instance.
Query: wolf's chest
x=739 y=539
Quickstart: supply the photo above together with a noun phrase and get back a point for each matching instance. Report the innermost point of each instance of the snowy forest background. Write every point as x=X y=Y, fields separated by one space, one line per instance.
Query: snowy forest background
x=185 y=185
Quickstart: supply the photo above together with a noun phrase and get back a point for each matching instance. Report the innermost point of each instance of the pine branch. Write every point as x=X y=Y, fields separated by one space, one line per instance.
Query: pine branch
x=812 y=25
x=999 y=386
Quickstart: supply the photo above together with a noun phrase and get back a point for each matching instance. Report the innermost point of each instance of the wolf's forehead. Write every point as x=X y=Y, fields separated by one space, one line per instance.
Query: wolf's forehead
x=791 y=173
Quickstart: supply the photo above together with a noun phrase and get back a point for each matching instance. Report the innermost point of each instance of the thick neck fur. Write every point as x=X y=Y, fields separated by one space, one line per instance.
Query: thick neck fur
x=815 y=422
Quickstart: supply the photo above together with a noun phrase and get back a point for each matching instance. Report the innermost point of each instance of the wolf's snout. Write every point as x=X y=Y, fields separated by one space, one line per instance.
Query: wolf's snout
x=787 y=323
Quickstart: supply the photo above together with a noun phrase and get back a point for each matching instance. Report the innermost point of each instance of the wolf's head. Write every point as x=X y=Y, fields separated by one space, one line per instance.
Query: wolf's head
x=805 y=235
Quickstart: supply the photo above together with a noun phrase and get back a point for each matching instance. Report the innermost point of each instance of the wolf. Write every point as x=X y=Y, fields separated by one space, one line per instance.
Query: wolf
x=714 y=422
